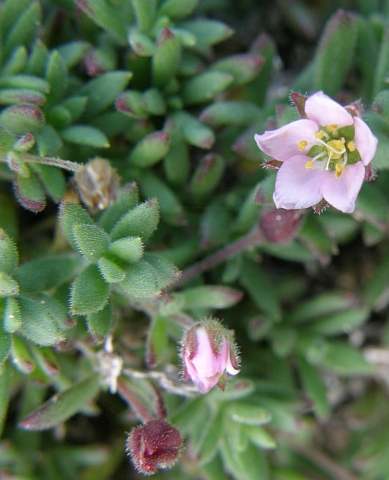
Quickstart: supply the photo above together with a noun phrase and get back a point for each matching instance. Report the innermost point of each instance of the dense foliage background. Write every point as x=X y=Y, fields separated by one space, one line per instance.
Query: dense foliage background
x=134 y=202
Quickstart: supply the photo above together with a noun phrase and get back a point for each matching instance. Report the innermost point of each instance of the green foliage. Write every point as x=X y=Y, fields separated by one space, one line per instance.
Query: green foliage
x=91 y=298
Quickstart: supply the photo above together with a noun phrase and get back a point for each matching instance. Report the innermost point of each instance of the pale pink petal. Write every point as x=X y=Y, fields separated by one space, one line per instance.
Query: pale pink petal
x=298 y=186
x=342 y=192
x=324 y=111
x=204 y=360
x=365 y=141
x=283 y=143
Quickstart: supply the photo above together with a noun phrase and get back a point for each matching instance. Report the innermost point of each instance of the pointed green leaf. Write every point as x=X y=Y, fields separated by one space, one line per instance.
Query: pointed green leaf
x=89 y=292
x=208 y=32
x=231 y=113
x=157 y=341
x=22 y=118
x=210 y=296
x=141 y=280
x=99 y=323
x=335 y=52
x=103 y=90
x=128 y=198
x=314 y=387
x=5 y=392
x=249 y=414
x=129 y=249
x=12 y=317
x=62 y=405
x=243 y=67
x=150 y=150
x=92 y=242
x=8 y=253
x=166 y=60
x=8 y=286
x=38 y=324
x=141 y=221
x=5 y=345
x=205 y=86
x=44 y=274
x=145 y=13
x=107 y=16
x=20 y=356
x=85 y=135
x=69 y=215
x=110 y=270
x=177 y=9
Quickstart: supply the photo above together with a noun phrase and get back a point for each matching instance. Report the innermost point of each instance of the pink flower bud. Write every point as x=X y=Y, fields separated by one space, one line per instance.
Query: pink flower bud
x=208 y=352
x=155 y=445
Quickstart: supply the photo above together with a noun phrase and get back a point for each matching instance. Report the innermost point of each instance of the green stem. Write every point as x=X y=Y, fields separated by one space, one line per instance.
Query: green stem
x=253 y=238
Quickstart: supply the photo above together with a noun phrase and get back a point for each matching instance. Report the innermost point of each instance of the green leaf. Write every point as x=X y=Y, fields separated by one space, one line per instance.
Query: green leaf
x=166 y=271
x=141 y=221
x=110 y=270
x=177 y=9
x=85 y=135
x=38 y=324
x=205 y=86
x=8 y=253
x=335 y=52
x=69 y=215
x=5 y=345
x=243 y=67
x=62 y=405
x=338 y=323
x=262 y=292
x=141 y=280
x=166 y=59
x=207 y=176
x=22 y=118
x=103 y=90
x=157 y=341
x=89 y=292
x=314 y=387
x=237 y=113
x=52 y=179
x=5 y=392
x=8 y=286
x=48 y=141
x=44 y=274
x=129 y=249
x=260 y=437
x=195 y=132
x=172 y=212
x=92 y=241
x=145 y=13
x=20 y=356
x=73 y=52
x=24 y=29
x=345 y=360
x=57 y=76
x=150 y=150
x=12 y=317
x=29 y=193
x=141 y=43
x=210 y=296
x=107 y=16
x=207 y=32
x=25 y=81
x=128 y=198
x=99 y=323
x=382 y=66
x=248 y=414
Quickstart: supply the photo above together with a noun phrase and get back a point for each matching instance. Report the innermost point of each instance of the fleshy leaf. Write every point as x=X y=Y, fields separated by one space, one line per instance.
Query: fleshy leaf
x=62 y=405
x=92 y=242
x=89 y=292
x=141 y=221
x=8 y=253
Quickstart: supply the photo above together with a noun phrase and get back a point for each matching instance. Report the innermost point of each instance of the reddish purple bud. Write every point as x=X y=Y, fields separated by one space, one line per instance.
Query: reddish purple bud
x=153 y=446
x=279 y=225
x=299 y=102
x=208 y=352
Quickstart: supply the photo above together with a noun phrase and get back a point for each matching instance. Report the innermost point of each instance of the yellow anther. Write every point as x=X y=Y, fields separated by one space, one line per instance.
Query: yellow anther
x=309 y=164
x=338 y=170
x=351 y=146
x=302 y=144
x=332 y=127
x=319 y=134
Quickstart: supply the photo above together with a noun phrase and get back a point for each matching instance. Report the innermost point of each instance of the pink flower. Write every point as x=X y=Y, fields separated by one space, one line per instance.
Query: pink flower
x=323 y=156
x=208 y=352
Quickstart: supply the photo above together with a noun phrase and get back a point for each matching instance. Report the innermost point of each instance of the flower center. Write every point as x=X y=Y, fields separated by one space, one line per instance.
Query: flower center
x=333 y=149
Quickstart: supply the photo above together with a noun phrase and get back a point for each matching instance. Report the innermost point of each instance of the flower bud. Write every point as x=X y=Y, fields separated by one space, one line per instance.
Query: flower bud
x=155 y=445
x=208 y=352
x=98 y=184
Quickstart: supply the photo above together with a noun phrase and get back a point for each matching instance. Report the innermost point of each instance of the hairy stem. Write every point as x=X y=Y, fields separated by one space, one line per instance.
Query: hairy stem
x=53 y=161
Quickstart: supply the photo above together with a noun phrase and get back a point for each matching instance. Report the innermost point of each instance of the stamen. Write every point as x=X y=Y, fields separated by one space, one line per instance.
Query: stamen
x=319 y=134
x=302 y=144
x=319 y=155
x=332 y=127
x=309 y=164
x=351 y=146
x=328 y=161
